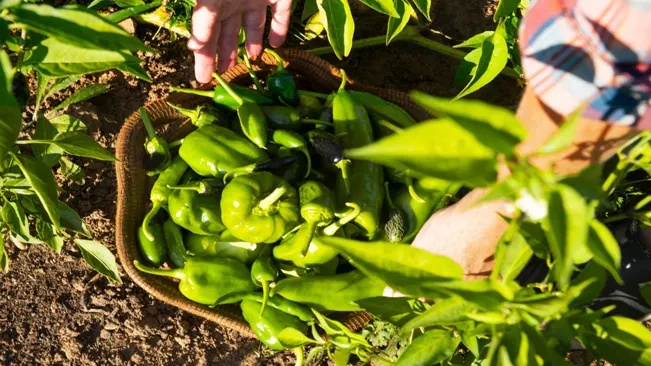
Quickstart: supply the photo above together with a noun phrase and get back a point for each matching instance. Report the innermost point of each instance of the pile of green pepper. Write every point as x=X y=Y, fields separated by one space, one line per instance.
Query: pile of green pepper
x=239 y=209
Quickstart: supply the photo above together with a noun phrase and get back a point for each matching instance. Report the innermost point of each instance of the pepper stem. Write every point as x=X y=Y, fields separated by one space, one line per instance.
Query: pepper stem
x=228 y=89
x=175 y=143
x=238 y=171
x=279 y=60
x=147 y=221
x=193 y=114
x=388 y=196
x=316 y=122
x=300 y=355
x=175 y=273
x=342 y=86
x=412 y=191
x=193 y=187
x=268 y=201
x=265 y=294
x=203 y=93
x=309 y=161
x=254 y=77
x=343 y=166
x=151 y=134
x=331 y=229
x=390 y=126
x=310 y=228
x=307 y=93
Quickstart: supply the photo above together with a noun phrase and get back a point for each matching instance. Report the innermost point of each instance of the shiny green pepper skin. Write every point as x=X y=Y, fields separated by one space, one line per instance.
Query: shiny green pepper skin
x=207 y=279
x=259 y=207
x=212 y=150
x=294 y=172
x=204 y=115
x=197 y=213
x=222 y=98
x=159 y=156
x=282 y=117
x=224 y=245
x=174 y=241
x=264 y=272
x=267 y=326
x=153 y=251
x=282 y=83
x=309 y=106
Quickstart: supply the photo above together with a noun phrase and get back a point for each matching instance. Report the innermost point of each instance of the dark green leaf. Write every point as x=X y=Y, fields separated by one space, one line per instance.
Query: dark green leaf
x=518 y=254
x=128 y=3
x=4 y=31
x=494 y=55
x=67 y=123
x=10 y=116
x=562 y=139
x=42 y=87
x=494 y=126
x=412 y=271
x=432 y=347
x=424 y=7
x=48 y=235
x=505 y=8
x=80 y=95
x=459 y=153
x=100 y=258
x=80 y=144
x=397 y=310
x=57 y=59
x=382 y=6
x=397 y=24
x=567 y=230
x=135 y=69
x=588 y=284
x=72 y=171
x=14 y=216
x=475 y=41
x=42 y=180
x=4 y=258
x=70 y=220
x=535 y=237
x=77 y=26
x=443 y=312
x=605 y=249
x=340 y=24
x=292 y=338
x=62 y=83
x=309 y=8
x=48 y=153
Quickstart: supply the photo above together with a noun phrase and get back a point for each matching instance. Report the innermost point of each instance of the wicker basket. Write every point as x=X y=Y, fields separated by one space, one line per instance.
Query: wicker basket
x=133 y=183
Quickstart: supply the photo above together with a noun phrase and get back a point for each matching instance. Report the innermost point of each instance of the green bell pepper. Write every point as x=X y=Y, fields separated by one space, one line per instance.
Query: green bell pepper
x=159 y=156
x=282 y=83
x=224 y=245
x=197 y=213
x=267 y=327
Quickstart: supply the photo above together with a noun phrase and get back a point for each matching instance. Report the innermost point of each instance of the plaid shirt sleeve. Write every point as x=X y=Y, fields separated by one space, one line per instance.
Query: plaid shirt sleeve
x=590 y=51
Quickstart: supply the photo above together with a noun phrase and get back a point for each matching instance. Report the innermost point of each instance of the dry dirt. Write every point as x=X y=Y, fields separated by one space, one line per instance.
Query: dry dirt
x=56 y=310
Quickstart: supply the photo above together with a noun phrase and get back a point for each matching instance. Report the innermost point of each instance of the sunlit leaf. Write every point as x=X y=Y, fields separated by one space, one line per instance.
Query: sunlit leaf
x=476 y=40
x=83 y=94
x=99 y=258
x=424 y=7
x=67 y=123
x=10 y=116
x=382 y=6
x=494 y=55
x=49 y=236
x=79 y=144
x=397 y=24
x=340 y=24
x=42 y=180
x=70 y=220
x=48 y=153
x=505 y=8
x=430 y=348
x=443 y=312
x=562 y=139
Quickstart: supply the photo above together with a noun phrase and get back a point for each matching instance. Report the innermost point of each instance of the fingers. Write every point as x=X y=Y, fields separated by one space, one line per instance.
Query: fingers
x=205 y=33
x=254 y=26
x=228 y=41
x=280 y=22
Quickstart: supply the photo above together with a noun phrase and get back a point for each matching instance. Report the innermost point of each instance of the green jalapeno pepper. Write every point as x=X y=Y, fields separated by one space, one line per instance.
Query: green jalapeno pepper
x=222 y=98
x=224 y=245
x=160 y=193
x=153 y=251
x=252 y=119
x=260 y=167
x=309 y=106
x=289 y=269
x=207 y=279
x=293 y=140
x=204 y=115
x=264 y=272
x=158 y=152
x=197 y=213
x=366 y=178
x=259 y=207
x=174 y=240
x=282 y=83
x=267 y=327
x=212 y=150
x=277 y=302
x=288 y=118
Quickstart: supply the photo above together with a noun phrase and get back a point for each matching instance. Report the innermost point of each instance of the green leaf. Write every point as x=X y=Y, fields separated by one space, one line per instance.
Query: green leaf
x=424 y=7
x=42 y=87
x=443 y=312
x=62 y=83
x=48 y=153
x=397 y=310
x=136 y=70
x=4 y=258
x=605 y=249
x=67 y=123
x=391 y=111
x=467 y=69
x=518 y=254
x=128 y=3
x=494 y=126
x=7 y=70
x=432 y=347
x=562 y=139
x=48 y=235
x=382 y=6
x=87 y=92
x=292 y=338
x=588 y=284
x=77 y=26
x=341 y=356
x=100 y=4
x=42 y=180
x=340 y=24
x=99 y=258
x=309 y=8
x=14 y=216
x=505 y=8
x=57 y=59
x=79 y=144
x=129 y=12
x=72 y=171
x=475 y=41
x=567 y=230
x=315 y=26
x=337 y=292
x=487 y=294
x=70 y=220
x=470 y=341
x=587 y=182
x=494 y=55
x=397 y=24
x=412 y=271
x=10 y=115
x=459 y=153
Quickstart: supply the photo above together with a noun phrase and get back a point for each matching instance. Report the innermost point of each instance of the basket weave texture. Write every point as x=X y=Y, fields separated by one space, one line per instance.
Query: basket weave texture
x=133 y=182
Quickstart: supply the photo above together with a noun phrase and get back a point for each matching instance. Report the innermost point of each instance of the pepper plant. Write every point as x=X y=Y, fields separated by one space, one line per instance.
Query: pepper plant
x=57 y=46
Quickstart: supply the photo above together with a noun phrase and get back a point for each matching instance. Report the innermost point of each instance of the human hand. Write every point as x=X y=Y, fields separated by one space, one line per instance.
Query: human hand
x=216 y=25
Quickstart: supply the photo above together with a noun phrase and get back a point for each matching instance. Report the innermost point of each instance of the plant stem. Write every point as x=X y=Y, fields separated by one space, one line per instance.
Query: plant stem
x=254 y=77
x=151 y=134
x=33 y=142
x=228 y=89
x=316 y=122
x=266 y=203
x=279 y=60
x=175 y=143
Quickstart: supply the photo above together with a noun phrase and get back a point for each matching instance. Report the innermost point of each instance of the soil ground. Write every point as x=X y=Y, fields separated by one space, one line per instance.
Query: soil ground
x=56 y=310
